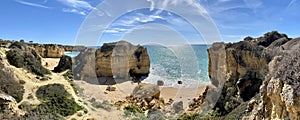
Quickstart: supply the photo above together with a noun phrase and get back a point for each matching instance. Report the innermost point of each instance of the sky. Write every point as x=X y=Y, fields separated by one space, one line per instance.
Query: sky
x=93 y=22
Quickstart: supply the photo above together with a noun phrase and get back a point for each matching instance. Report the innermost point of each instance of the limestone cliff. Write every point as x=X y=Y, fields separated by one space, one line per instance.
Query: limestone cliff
x=49 y=50
x=279 y=94
x=113 y=60
x=246 y=66
x=122 y=59
x=242 y=72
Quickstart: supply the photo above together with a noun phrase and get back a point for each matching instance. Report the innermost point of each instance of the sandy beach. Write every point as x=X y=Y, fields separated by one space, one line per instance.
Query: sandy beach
x=50 y=63
x=123 y=90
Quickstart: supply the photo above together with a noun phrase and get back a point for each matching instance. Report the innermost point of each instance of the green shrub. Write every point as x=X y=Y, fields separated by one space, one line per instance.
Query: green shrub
x=55 y=99
x=27 y=60
x=189 y=117
x=134 y=109
x=68 y=75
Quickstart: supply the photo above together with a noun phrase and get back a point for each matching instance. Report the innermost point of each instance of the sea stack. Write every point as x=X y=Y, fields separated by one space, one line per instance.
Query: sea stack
x=123 y=60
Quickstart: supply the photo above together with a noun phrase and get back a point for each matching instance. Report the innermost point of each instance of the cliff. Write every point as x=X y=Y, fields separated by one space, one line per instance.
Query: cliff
x=247 y=70
x=48 y=50
x=122 y=59
x=113 y=60
x=279 y=93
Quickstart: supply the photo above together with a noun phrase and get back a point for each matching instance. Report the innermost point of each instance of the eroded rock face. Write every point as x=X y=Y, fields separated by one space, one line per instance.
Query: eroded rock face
x=53 y=51
x=122 y=59
x=279 y=94
x=242 y=67
x=49 y=50
x=84 y=65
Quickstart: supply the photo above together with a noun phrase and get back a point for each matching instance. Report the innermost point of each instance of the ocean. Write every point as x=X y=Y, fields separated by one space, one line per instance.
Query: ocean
x=166 y=64
x=188 y=64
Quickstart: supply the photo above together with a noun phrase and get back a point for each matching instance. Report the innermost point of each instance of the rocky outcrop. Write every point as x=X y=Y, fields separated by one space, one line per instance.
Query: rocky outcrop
x=84 y=66
x=68 y=48
x=279 y=94
x=112 y=62
x=5 y=43
x=122 y=59
x=65 y=63
x=6 y=99
x=8 y=106
x=53 y=51
x=48 y=50
x=242 y=67
x=146 y=90
x=146 y=97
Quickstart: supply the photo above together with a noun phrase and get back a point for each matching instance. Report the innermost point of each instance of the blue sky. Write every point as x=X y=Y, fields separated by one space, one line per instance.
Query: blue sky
x=62 y=21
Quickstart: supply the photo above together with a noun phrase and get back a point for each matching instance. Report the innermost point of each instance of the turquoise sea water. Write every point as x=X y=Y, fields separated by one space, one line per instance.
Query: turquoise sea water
x=72 y=54
x=171 y=64
x=167 y=64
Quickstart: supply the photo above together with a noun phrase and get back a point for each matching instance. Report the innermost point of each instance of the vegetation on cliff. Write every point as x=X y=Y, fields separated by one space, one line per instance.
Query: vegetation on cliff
x=23 y=57
x=9 y=84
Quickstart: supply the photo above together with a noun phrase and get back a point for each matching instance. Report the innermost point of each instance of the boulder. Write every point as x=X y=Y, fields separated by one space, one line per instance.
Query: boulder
x=111 y=88
x=178 y=107
x=160 y=83
x=146 y=90
x=155 y=114
x=65 y=63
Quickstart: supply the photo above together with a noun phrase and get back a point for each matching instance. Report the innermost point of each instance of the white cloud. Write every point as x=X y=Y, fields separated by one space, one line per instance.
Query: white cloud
x=135 y=19
x=74 y=11
x=32 y=4
x=116 y=30
x=77 y=6
x=166 y=3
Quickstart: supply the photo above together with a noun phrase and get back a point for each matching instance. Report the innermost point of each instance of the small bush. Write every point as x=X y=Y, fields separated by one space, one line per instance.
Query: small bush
x=55 y=99
x=68 y=75
x=134 y=109
x=189 y=117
